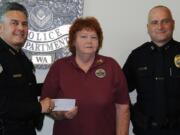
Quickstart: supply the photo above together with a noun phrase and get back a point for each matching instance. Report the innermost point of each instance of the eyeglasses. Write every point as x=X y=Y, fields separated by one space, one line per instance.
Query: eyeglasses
x=162 y=22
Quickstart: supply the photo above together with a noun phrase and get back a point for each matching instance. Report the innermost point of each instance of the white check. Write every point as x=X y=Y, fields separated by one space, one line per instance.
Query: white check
x=64 y=104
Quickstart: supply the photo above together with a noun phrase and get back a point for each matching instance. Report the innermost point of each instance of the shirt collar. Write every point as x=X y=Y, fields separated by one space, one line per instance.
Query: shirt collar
x=9 y=48
x=153 y=46
x=99 y=60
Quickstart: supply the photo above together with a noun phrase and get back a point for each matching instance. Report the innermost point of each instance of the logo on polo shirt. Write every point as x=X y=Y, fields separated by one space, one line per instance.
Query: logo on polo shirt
x=177 y=60
x=100 y=73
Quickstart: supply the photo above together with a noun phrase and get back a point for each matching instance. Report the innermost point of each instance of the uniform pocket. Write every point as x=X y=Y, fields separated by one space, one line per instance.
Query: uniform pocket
x=143 y=71
x=144 y=80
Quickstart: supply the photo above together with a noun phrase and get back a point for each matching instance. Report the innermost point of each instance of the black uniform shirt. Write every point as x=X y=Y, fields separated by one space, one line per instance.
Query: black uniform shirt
x=155 y=74
x=18 y=94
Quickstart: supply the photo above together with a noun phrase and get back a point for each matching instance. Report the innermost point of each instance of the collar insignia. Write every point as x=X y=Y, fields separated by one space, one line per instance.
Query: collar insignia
x=99 y=61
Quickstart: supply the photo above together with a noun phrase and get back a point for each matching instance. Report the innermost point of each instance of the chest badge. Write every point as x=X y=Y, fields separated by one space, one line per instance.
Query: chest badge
x=1 y=69
x=177 y=60
x=100 y=73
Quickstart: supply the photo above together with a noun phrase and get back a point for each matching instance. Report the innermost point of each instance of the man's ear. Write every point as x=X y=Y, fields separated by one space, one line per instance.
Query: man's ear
x=173 y=24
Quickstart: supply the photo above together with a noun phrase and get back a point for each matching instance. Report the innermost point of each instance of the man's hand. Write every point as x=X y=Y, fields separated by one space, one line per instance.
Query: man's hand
x=59 y=115
x=47 y=105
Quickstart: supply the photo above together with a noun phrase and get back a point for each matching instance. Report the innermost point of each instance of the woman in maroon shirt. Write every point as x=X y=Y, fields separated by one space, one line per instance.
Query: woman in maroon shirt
x=95 y=81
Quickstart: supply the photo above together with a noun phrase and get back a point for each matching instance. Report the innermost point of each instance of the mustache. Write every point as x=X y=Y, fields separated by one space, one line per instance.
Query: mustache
x=22 y=33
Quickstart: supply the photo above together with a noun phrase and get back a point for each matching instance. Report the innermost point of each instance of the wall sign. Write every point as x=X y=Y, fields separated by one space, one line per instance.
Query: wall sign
x=49 y=22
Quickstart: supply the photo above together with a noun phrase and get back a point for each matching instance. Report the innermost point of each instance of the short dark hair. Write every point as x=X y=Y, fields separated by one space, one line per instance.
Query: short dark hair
x=88 y=23
x=10 y=6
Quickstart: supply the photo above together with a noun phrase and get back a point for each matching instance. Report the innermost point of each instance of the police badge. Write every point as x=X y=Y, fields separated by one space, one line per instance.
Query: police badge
x=177 y=60
x=49 y=23
x=1 y=69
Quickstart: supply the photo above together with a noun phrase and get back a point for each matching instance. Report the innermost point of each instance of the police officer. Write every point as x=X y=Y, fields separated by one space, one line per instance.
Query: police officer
x=19 y=107
x=153 y=70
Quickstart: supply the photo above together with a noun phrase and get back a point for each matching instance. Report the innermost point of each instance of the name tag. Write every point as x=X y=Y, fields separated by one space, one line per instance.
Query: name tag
x=142 y=68
x=17 y=75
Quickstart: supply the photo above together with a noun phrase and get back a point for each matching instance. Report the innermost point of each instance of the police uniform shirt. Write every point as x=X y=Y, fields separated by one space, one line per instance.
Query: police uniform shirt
x=18 y=100
x=155 y=74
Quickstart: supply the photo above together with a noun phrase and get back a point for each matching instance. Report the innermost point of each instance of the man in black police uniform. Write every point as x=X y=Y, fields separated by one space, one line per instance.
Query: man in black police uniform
x=153 y=69
x=19 y=107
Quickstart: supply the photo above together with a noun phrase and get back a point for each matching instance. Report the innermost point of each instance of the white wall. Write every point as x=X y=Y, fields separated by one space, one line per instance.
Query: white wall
x=124 y=26
x=124 y=23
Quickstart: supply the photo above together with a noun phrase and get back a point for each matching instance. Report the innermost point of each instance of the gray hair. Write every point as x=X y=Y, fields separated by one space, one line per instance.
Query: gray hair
x=160 y=6
x=11 y=6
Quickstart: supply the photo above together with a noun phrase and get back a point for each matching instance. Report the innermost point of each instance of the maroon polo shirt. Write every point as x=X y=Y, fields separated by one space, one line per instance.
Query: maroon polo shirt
x=96 y=93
